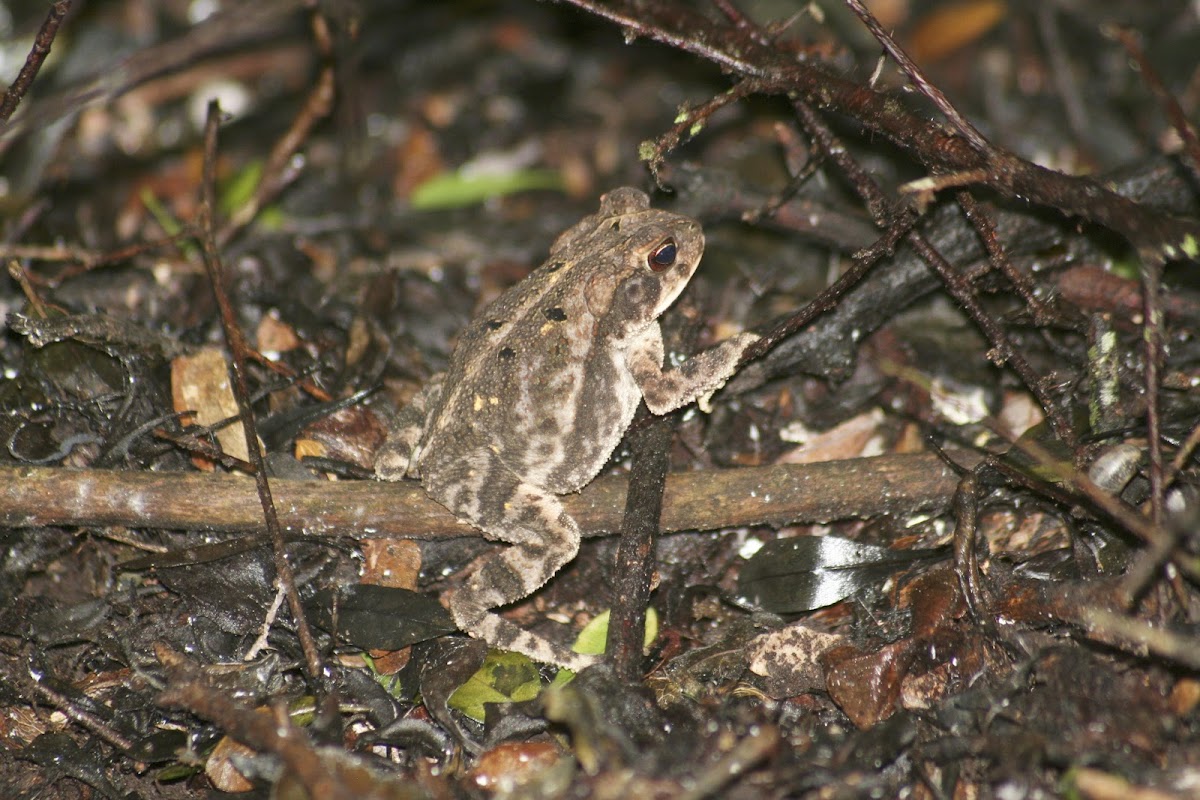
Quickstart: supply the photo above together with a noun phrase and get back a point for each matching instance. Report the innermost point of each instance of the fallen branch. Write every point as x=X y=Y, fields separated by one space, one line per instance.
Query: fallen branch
x=776 y=495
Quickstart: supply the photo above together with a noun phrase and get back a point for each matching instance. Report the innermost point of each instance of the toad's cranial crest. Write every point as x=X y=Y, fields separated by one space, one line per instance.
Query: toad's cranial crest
x=539 y=392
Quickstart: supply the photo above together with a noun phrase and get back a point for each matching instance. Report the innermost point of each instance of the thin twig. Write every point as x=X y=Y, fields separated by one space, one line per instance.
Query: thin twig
x=998 y=255
x=688 y=124
x=1152 y=266
x=238 y=348
x=960 y=123
x=1154 y=536
x=1137 y=637
x=1060 y=70
x=18 y=274
x=220 y=31
x=956 y=284
x=1175 y=114
x=86 y=260
x=1183 y=455
x=1003 y=351
x=862 y=263
x=73 y=711
x=277 y=173
x=323 y=773
x=1152 y=334
x=33 y=61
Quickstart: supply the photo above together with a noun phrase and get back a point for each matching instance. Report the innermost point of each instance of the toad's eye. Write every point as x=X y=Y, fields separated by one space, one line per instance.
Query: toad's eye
x=663 y=256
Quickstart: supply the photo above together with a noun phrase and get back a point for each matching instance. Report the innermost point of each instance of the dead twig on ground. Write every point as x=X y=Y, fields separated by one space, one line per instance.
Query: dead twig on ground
x=239 y=351
x=775 y=495
x=33 y=62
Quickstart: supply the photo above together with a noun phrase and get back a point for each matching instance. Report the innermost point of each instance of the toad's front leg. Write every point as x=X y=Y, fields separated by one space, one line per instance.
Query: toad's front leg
x=542 y=538
x=665 y=390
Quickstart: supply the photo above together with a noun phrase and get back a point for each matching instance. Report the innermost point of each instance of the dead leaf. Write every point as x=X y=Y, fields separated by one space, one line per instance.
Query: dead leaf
x=200 y=383
x=395 y=563
x=952 y=27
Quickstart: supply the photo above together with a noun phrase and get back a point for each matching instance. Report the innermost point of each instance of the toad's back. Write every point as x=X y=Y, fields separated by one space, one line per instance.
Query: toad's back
x=540 y=379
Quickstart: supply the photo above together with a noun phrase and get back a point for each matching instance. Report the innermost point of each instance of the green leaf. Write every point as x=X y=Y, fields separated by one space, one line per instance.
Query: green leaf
x=594 y=636
x=177 y=772
x=1128 y=269
x=166 y=220
x=271 y=219
x=1190 y=247
x=503 y=678
x=238 y=191
x=162 y=215
x=456 y=189
x=593 y=640
x=239 y=188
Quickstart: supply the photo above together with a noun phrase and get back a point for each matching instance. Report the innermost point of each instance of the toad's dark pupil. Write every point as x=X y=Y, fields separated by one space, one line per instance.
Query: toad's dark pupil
x=663 y=256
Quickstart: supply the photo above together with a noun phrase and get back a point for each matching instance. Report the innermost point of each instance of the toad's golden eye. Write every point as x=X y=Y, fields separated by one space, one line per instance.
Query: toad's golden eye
x=663 y=256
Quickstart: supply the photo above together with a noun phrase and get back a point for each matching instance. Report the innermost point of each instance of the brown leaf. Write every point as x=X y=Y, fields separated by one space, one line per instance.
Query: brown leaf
x=954 y=26
x=349 y=434
x=866 y=686
x=200 y=383
x=391 y=562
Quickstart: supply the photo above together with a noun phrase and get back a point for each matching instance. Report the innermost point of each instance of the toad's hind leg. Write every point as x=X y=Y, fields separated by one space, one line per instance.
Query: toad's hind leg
x=542 y=538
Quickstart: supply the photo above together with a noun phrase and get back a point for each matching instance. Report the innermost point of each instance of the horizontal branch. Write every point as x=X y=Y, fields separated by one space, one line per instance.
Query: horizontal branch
x=776 y=495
